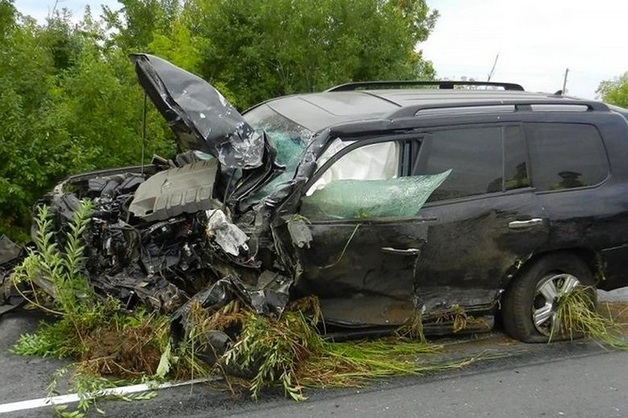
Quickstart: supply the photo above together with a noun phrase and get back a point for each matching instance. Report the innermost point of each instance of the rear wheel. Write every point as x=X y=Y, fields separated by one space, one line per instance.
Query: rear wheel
x=529 y=304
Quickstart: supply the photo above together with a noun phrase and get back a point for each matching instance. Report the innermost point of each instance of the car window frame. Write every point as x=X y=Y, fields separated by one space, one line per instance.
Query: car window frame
x=568 y=122
x=403 y=139
x=358 y=143
x=427 y=134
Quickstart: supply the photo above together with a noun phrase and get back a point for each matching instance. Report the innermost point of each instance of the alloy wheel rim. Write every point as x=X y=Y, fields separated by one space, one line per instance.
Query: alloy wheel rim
x=546 y=296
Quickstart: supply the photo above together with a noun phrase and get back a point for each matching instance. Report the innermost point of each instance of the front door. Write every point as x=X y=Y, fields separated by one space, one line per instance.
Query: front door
x=366 y=235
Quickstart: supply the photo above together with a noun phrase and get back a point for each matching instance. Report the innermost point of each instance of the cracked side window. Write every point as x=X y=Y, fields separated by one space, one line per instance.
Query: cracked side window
x=364 y=183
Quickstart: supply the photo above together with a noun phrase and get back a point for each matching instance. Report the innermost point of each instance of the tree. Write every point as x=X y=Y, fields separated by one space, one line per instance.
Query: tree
x=615 y=91
x=276 y=47
x=133 y=25
x=68 y=105
x=7 y=18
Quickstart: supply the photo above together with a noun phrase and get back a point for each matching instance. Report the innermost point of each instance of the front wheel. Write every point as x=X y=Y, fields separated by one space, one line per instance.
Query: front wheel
x=530 y=303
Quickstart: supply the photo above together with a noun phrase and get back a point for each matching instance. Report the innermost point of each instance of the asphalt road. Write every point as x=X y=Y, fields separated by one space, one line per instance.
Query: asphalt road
x=589 y=385
x=559 y=380
x=573 y=379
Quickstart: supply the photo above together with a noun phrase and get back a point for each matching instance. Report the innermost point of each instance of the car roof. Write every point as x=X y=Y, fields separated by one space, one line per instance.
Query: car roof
x=316 y=111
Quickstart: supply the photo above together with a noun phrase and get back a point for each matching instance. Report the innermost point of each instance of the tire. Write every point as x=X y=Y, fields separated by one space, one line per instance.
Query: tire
x=529 y=296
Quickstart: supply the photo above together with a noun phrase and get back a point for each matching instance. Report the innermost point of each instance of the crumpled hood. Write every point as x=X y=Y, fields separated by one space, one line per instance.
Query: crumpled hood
x=198 y=114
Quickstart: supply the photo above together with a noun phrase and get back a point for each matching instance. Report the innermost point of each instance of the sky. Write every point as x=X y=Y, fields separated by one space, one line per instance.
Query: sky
x=535 y=40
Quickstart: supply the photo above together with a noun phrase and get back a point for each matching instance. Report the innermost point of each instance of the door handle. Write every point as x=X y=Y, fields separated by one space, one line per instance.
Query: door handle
x=398 y=251
x=525 y=224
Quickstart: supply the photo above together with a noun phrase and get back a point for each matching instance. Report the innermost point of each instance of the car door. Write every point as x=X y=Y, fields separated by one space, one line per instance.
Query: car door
x=487 y=219
x=366 y=236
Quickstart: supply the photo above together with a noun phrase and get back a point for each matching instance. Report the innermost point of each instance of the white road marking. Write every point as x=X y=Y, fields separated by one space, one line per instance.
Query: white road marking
x=74 y=397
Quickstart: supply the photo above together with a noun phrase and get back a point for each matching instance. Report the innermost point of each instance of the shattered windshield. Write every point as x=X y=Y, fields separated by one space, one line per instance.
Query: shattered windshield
x=289 y=139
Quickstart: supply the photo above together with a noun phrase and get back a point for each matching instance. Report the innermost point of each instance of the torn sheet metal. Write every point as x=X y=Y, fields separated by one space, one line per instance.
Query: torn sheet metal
x=269 y=296
x=10 y=255
x=198 y=114
x=8 y=250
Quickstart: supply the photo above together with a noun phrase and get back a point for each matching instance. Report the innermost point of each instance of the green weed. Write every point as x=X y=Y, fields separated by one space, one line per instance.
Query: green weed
x=108 y=342
x=576 y=316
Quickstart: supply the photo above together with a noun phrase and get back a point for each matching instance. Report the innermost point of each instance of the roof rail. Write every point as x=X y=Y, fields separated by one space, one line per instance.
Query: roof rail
x=445 y=84
x=518 y=104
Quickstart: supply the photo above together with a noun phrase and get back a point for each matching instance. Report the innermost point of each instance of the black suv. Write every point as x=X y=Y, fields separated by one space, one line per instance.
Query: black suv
x=386 y=200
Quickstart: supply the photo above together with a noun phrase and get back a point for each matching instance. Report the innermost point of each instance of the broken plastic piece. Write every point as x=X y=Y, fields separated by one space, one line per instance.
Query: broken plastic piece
x=299 y=232
x=169 y=193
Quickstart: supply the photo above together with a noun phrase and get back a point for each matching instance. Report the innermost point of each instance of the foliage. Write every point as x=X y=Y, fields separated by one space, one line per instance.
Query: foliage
x=257 y=48
x=615 y=91
x=290 y=352
x=68 y=105
x=576 y=316
x=59 y=271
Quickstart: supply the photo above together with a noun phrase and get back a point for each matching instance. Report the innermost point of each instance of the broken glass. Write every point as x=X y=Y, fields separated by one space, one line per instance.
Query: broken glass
x=288 y=138
x=289 y=152
x=354 y=199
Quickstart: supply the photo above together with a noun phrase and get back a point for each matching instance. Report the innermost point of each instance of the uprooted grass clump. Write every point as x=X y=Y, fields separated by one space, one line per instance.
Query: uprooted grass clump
x=576 y=317
x=290 y=351
x=105 y=340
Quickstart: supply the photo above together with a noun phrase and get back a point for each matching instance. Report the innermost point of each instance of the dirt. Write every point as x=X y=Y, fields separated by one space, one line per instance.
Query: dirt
x=127 y=353
x=617 y=311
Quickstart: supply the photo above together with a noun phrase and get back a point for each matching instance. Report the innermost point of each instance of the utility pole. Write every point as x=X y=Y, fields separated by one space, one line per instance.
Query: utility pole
x=493 y=69
x=565 y=81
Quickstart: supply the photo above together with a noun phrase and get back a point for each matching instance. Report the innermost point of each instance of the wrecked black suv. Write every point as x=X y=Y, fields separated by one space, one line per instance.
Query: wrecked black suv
x=388 y=201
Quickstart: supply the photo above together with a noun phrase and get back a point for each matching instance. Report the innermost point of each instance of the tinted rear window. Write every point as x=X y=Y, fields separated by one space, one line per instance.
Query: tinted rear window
x=565 y=156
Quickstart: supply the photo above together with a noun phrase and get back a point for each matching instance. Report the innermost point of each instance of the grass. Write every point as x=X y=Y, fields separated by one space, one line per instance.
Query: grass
x=576 y=316
x=290 y=352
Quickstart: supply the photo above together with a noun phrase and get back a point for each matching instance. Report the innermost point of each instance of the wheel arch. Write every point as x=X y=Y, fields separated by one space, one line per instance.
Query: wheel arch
x=518 y=298
x=590 y=257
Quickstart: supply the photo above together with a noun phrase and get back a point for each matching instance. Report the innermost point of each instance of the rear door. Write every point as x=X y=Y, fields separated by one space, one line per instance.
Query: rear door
x=487 y=218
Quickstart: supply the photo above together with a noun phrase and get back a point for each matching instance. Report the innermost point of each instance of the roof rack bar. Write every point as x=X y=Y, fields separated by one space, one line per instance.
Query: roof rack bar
x=518 y=104
x=445 y=84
